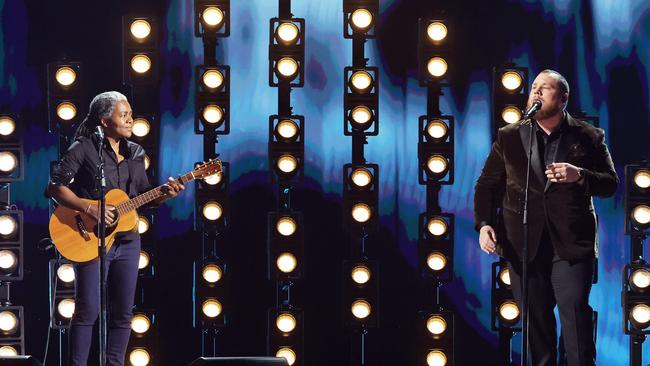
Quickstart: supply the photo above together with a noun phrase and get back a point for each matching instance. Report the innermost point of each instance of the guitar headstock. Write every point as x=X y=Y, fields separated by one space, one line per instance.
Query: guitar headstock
x=206 y=169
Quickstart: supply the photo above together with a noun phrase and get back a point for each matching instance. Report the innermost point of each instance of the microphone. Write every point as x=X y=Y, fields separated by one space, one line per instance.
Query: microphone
x=537 y=105
x=99 y=131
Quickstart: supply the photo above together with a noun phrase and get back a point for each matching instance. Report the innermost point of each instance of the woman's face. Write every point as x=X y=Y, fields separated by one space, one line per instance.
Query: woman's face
x=120 y=123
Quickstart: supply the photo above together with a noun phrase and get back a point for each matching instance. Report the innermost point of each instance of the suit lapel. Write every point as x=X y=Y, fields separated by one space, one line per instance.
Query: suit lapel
x=524 y=133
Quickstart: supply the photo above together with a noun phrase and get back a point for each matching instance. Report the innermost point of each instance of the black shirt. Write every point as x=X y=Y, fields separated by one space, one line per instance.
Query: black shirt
x=547 y=145
x=77 y=169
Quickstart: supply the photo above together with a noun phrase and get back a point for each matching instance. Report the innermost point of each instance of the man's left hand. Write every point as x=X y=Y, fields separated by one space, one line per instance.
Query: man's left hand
x=562 y=173
x=172 y=188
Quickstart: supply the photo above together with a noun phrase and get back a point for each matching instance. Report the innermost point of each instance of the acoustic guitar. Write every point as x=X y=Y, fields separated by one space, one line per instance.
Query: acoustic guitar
x=75 y=233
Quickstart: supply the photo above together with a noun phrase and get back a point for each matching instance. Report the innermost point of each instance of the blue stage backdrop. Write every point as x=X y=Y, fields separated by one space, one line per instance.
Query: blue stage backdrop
x=601 y=46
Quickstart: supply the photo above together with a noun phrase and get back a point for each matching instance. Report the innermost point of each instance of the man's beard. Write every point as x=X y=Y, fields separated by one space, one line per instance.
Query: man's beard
x=544 y=114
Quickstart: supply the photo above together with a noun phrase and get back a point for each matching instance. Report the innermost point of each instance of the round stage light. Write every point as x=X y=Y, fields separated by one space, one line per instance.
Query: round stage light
x=641 y=215
x=139 y=357
x=361 y=115
x=361 y=81
x=361 y=19
x=437 y=164
x=509 y=311
x=8 y=162
x=511 y=80
x=287 y=130
x=65 y=76
x=437 y=31
x=288 y=354
x=212 y=114
x=143 y=225
x=436 y=325
x=212 y=17
x=361 y=309
x=437 y=67
x=436 y=358
x=504 y=276
x=66 y=111
x=286 y=226
x=436 y=261
x=140 y=29
x=287 y=163
x=212 y=79
x=640 y=279
x=8 y=261
x=361 y=177
x=511 y=114
x=65 y=273
x=7 y=126
x=211 y=308
x=213 y=179
x=8 y=224
x=66 y=308
x=361 y=274
x=212 y=211
x=8 y=351
x=140 y=323
x=140 y=63
x=640 y=315
x=212 y=273
x=437 y=226
x=286 y=262
x=8 y=322
x=141 y=127
x=143 y=262
x=641 y=178
x=287 y=33
x=285 y=322
x=147 y=162
x=287 y=67
x=361 y=212
x=436 y=129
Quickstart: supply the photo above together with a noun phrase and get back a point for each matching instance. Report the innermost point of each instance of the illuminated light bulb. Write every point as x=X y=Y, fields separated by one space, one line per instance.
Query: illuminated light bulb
x=437 y=31
x=141 y=127
x=7 y=125
x=361 y=274
x=287 y=33
x=66 y=111
x=8 y=260
x=361 y=177
x=436 y=325
x=361 y=81
x=287 y=163
x=286 y=226
x=66 y=308
x=65 y=273
x=641 y=214
x=437 y=67
x=286 y=262
x=212 y=17
x=436 y=358
x=437 y=129
x=287 y=67
x=504 y=275
x=361 y=309
x=361 y=19
x=436 y=261
x=8 y=351
x=361 y=212
x=211 y=308
x=143 y=262
x=212 y=114
x=212 y=79
x=65 y=76
x=212 y=211
x=437 y=226
x=288 y=354
x=212 y=273
x=8 y=225
x=8 y=322
x=140 y=323
x=140 y=29
x=511 y=114
x=511 y=80
x=140 y=63
x=642 y=179
x=139 y=357
x=361 y=115
x=509 y=311
x=143 y=225
x=437 y=164
x=285 y=322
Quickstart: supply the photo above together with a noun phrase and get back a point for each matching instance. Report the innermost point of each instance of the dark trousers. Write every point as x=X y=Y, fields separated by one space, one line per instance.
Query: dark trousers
x=122 y=274
x=564 y=283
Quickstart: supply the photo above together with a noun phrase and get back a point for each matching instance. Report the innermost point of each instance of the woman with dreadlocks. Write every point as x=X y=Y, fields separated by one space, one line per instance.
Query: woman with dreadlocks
x=74 y=178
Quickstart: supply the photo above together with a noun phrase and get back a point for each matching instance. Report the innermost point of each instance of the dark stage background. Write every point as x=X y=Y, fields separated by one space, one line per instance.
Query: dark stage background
x=602 y=47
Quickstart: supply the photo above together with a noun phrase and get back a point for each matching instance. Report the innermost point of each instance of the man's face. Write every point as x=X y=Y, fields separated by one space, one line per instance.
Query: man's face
x=546 y=89
x=121 y=122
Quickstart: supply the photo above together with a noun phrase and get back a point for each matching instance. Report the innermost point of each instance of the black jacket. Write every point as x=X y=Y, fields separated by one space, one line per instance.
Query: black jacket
x=565 y=208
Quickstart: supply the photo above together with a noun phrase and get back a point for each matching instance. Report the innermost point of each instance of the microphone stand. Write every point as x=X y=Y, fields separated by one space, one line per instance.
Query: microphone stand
x=101 y=179
x=524 y=259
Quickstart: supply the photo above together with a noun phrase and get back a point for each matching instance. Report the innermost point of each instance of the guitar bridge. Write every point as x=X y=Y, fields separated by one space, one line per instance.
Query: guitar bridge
x=81 y=227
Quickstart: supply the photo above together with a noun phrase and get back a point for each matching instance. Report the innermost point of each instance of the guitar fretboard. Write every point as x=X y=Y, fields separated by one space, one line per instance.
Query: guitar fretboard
x=148 y=196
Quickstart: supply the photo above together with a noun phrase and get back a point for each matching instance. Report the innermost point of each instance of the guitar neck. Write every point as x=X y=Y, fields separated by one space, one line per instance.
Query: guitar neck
x=141 y=200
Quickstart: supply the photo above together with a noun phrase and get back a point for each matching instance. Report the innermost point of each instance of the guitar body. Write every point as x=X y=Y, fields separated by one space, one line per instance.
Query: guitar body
x=75 y=233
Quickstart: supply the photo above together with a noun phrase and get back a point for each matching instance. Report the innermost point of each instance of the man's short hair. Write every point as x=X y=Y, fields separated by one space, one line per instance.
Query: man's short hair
x=561 y=82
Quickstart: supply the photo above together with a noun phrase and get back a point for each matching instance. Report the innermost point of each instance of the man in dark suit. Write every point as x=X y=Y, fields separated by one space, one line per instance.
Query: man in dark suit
x=570 y=163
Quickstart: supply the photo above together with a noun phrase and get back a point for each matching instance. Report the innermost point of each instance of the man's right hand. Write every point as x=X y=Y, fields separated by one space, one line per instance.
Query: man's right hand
x=487 y=239
x=111 y=214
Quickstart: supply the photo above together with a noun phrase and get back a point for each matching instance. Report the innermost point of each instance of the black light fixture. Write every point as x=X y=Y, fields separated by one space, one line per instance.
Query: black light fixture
x=361 y=294
x=62 y=287
x=360 y=18
x=12 y=330
x=140 y=59
x=433 y=51
x=210 y=294
x=436 y=246
x=11 y=245
x=65 y=98
x=287 y=52
x=285 y=245
x=436 y=149
x=212 y=106
x=212 y=201
x=361 y=196
x=436 y=334
x=360 y=101
x=285 y=334
x=286 y=148
x=212 y=18
x=509 y=95
x=637 y=199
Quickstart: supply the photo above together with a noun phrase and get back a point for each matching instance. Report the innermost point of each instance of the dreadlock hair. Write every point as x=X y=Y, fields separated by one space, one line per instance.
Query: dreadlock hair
x=102 y=106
